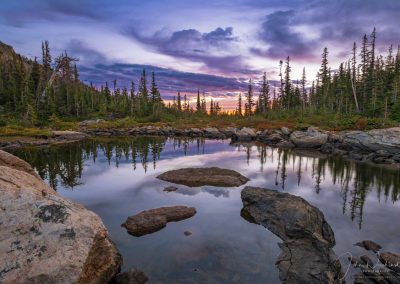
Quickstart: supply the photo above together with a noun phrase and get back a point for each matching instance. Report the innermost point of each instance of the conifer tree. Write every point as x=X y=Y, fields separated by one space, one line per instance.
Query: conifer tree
x=239 y=109
x=249 y=100
x=198 y=103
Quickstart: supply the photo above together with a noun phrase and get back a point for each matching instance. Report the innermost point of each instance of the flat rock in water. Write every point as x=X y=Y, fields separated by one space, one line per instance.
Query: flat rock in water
x=153 y=220
x=369 y=245
x=45 y=238
x=204 y=176
x=70 y=135
x=307 y=255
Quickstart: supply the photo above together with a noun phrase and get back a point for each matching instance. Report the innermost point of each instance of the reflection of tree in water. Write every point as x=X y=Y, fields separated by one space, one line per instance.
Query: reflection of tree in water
x=64 y=163
x=355 y=179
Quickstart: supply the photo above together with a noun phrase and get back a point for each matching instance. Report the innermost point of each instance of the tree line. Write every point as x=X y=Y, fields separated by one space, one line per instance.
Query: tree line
x=367 y=84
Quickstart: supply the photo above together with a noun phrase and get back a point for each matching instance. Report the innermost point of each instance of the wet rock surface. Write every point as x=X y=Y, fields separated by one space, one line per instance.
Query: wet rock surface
x=204 y=176
x=153 y=220
x=369 y=245
x=244 y=134
x=312 y=138
x=170 y=189
x=307 y=255
x=45 y=238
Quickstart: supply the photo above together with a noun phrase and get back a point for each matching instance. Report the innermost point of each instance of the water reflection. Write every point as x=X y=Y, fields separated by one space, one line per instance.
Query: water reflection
x=64 y=165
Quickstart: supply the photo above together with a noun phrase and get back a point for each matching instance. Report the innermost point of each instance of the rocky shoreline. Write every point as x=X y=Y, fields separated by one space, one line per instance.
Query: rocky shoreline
x=378 y=146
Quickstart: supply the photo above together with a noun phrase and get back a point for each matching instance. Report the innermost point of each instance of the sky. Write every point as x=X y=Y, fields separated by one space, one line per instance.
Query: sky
x=214 y=46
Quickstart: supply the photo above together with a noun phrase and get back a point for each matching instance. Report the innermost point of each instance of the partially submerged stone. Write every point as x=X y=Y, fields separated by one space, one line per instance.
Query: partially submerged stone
x=70 y=135
x=378 y=139
x=45 y=238
x=153 y=220
x=307 y=255
x=204 y=176
x=312 y=138
x=170 y=188
x=369 y=245
x=390 y=260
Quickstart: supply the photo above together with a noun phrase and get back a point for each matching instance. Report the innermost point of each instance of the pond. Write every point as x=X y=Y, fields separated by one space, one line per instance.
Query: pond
x=116 y=178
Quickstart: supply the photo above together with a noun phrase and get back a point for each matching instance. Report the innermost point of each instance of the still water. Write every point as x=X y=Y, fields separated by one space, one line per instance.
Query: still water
x=116 y=178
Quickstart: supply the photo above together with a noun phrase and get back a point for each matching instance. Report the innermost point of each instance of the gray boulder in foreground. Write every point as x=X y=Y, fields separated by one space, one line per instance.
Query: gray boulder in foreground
x=45 y=238
x=153 y=220
x=307 y=255
x=204 y=176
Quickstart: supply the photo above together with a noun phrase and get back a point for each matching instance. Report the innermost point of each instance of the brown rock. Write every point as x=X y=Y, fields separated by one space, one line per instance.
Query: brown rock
x=204 y=176
x=390 y=260
x=45 y=238
x=369 y=245
x=170 y=188
x=153 y=220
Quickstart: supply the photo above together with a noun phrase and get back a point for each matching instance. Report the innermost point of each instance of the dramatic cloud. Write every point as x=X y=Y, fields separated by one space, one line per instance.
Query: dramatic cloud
x=276 y=32
x=232 y=40
x=301 y=33
x=209 y=48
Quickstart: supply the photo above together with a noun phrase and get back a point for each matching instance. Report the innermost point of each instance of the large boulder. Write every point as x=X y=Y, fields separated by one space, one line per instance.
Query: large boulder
x=45 y=238
x=204 y=176
x=312 y=138
x=153 y=220
x=212 y=132
x=244 y=134
x=374 y=140
x=307 y=255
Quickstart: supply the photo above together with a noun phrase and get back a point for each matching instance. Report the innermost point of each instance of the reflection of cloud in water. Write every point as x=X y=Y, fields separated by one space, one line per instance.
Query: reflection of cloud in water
x=217 y=192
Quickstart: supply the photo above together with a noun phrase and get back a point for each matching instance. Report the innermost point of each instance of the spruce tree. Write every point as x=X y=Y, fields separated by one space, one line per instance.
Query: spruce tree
x=249 y=100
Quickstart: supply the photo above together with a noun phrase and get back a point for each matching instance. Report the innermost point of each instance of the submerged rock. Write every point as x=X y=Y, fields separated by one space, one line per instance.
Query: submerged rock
x=307 y=255
x=204 y=176
x=153 y=220
x=132 y=276
x=45 y=238
x=170 y=188
x=312 y=138
x=369 y=245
